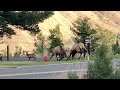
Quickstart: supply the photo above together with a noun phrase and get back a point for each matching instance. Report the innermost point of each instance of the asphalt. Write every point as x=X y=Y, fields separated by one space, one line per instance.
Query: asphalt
x=56 y=71
x=41 y=72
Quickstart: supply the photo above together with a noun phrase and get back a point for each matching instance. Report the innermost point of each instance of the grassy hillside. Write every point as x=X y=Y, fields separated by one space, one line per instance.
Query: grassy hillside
x=109 y=20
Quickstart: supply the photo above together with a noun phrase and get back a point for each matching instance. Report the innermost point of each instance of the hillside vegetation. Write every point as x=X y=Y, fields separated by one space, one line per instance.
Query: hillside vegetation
x=108 y=20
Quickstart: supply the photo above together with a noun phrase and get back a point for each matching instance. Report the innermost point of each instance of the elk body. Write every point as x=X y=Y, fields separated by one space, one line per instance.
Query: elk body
x=58 y=51
x=77 y=48
x=32 y=55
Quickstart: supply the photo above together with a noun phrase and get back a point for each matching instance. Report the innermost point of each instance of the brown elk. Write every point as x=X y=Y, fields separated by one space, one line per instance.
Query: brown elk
x=77 y=48
x=32 y=55
x=58 y=51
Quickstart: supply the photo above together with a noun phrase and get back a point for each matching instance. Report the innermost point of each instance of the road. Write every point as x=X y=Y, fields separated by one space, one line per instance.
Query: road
x=55 y=71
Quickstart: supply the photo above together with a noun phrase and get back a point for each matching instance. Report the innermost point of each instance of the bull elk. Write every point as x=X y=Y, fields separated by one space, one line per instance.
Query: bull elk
x=32 y=55
x=58 y=51
x=77 y=48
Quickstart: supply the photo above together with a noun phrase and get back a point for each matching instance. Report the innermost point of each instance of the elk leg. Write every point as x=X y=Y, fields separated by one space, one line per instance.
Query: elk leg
x=57 y=57
x=73 y=54
x=69 y=56
x=29 y=59
x=80 y=56
x=51 y=56
x=62 y=56
x=34 y=58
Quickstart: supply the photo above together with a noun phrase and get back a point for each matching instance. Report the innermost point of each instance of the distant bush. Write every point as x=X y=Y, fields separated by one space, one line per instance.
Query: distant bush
x=18 y=52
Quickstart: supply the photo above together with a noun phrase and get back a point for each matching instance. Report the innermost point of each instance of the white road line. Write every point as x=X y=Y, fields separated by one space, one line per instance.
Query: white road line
x=51 y=64
x=40 y=72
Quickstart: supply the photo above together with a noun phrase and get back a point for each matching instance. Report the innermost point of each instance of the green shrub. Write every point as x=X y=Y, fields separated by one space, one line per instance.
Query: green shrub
x=72 y=75
x=115 y=75
x=102 y=68
x=116 y=48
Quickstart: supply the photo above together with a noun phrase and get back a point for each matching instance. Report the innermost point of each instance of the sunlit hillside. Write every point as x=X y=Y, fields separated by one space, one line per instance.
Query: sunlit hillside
x=107 y=19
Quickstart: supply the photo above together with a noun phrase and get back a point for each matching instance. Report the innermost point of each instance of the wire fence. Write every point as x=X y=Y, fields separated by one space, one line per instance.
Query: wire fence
x=17 y=50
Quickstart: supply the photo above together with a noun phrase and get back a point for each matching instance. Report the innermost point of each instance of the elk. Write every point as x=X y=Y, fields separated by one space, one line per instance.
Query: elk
x=32 y=55
x=58 y=51
x=77 y=48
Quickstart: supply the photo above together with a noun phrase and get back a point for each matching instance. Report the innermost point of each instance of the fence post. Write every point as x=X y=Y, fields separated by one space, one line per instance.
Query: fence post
x=8 y=54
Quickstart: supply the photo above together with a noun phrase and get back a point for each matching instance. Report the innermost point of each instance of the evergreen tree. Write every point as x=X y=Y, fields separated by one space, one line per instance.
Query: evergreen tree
x=82 y=29
x=102 y=68
x=4 y=29
x=28 y=20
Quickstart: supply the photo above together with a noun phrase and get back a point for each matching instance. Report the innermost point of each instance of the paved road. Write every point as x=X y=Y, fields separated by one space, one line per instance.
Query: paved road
x=58 y=71
x=41 y=72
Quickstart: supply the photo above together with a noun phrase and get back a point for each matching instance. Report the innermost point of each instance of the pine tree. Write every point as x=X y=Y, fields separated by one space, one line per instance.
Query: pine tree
x=83 y=29
x=55 y=37
x=102 y=68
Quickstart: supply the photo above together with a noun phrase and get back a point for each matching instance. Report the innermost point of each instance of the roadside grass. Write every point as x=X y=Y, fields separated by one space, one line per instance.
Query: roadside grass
x=14 y=64
x=117 y=56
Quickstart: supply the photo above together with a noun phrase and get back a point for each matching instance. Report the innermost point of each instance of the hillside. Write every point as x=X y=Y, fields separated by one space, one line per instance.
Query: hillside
x=107 y=19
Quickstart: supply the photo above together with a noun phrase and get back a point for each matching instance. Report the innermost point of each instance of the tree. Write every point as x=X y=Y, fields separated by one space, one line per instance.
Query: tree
x=4 y=29
x=82 y=29
x=27 y=20
x=116 y=48
x=40 y=45
x=102 y=36
x=55 y=37
x=102 y=68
